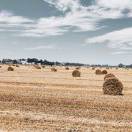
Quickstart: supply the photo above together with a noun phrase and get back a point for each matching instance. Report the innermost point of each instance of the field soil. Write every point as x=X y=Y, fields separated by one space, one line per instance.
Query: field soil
x=39 y=100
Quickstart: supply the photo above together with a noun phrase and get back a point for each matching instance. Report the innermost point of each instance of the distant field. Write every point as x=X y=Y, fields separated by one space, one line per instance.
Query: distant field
x=39 y=100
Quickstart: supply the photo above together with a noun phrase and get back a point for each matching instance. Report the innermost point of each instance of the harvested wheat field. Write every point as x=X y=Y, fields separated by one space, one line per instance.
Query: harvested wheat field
x=40 y=100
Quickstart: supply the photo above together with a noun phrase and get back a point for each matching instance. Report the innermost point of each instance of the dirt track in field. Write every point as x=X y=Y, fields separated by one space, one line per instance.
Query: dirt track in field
x=41 y=100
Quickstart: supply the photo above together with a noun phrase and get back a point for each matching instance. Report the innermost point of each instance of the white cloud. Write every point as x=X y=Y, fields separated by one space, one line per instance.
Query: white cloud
x=9 y=18
x=41 y=47
x=64 y=5
x=118 y=8
x=100 y=9
x=118 y=4
x=120 y=40
x=77 y=18
x=119 y=52
x=12 y=23
x=59 y=25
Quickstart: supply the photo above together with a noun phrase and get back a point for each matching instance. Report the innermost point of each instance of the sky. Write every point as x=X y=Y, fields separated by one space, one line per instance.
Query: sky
x=84 y=31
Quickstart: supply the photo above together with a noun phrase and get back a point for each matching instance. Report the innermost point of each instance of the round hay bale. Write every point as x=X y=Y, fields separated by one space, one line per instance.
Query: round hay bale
x=43 y=66
x=67 y=68
x=109 y=76
x=76 y=73
x=10 y=68
x=37 y=66
x=53 y=69
x=112 y=86
x=78 y=68
x=17 y=65
x=93 y=68
x=98 y=72
x=104 y=72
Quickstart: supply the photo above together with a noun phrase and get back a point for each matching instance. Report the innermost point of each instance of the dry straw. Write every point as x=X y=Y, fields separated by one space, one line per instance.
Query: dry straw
x=67 y=68
x=98 y=72
x=10 y=68
x=43 y=66
x=78 y=68
x=109 y=76
x=112 y=86
x=93 y=68
x=37 y=67
x=53 y=69
x=107 y=68
x=104 y=72
x=17 y=65
x=76 y=73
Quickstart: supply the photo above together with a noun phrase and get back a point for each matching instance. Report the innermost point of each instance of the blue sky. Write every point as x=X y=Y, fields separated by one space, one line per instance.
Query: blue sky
x=86 y=31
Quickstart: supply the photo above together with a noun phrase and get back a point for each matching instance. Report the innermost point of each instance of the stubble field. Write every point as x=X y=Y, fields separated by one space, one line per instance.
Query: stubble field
x=39 y=100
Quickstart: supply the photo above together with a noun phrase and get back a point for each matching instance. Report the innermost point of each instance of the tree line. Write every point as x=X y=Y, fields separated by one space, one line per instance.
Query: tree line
x=51 y=63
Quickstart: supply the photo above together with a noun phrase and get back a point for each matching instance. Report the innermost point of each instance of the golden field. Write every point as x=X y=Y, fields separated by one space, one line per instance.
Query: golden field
x=39 y=100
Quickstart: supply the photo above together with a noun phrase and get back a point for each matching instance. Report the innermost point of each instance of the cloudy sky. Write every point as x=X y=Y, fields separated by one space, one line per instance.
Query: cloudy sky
x=87 y=31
